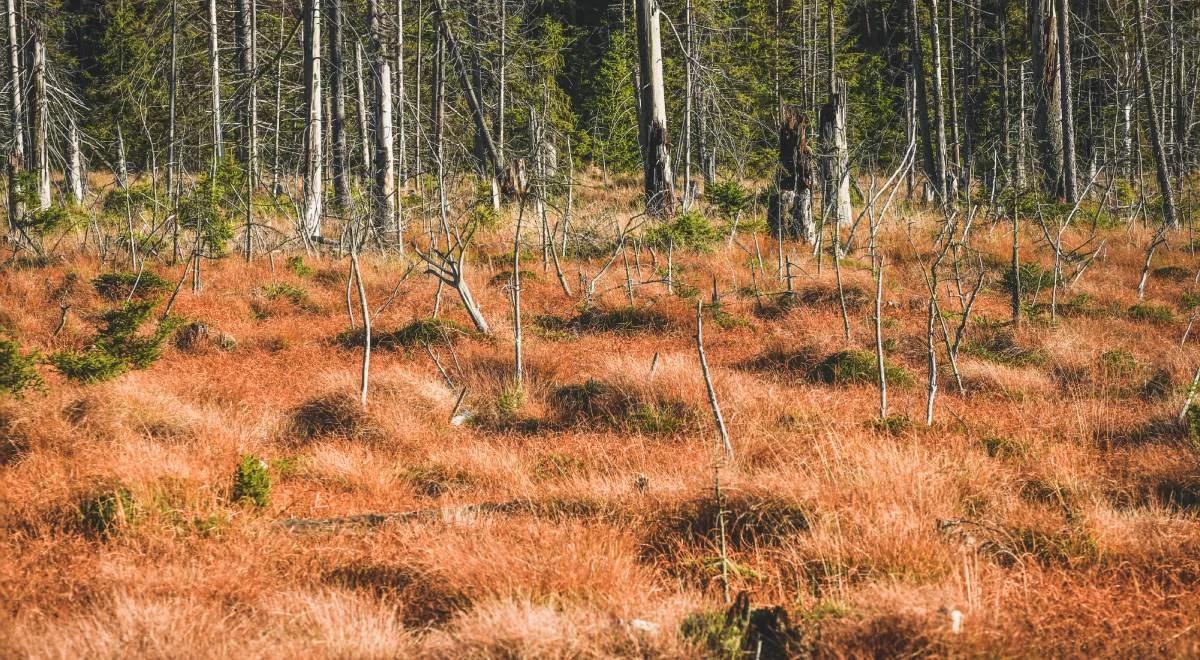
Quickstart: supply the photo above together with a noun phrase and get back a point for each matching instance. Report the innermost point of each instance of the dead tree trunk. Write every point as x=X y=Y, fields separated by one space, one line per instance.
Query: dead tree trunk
x=214 y=64
x=41 y=119
x=74 y=176
x=1068 y=111
x=313 y=146
x=247 y=50
x=1156 y=141
x=16 y=157
x=835 y=156
x=917 y=59
x=360 y=95
x=337 y=88
x=385 y=175
x=939 y=104
x=1047 y=92
x=790 y=213
x=652 y=122
x=401 y=125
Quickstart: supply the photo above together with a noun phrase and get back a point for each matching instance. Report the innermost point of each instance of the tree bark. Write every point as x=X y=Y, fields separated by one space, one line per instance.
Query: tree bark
x=656 y=155
x=1047 y=92
x=789 y=214
x=385 y=175
x=313 y=144
x=214 y=63
x=1067 y=106
x=247 y=50
x=41 y=119
x=835 y=156
x=74 y=176
x=360 y=95
x=917 y=62
x=337 y=89
x=938 y=104
x=1162 y=168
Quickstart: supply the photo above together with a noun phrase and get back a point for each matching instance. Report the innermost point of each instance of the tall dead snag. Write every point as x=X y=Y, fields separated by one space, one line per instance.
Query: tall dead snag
x=511 y=183
x=73 y=175
x=1047 y=93
x=214 y=64
x=16 y=157
x=40 y=150
x=1156 y=139
x=790 y=213
x=247 y=57
x=247 y=49
x=339 y=160
x=313 y=148
x=652 y=120
x=383 y=197
x=835 y=156
x=920 y=100
x=1070 y=187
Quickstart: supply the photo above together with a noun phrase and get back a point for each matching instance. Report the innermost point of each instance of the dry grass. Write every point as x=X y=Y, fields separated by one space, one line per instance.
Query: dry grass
x=1047 y=504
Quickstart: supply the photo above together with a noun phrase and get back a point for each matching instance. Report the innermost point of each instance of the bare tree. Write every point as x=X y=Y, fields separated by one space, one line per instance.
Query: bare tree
x=313 y=146
x=652 y=122
x=337 y=89
x=1156 y=140
x=385 y=175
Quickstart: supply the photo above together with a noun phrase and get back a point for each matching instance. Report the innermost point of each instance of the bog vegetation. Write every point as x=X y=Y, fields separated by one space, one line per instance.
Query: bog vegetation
x=492 y=328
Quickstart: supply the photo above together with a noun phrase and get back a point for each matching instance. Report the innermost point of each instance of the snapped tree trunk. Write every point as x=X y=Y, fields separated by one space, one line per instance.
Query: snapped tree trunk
x=835 y=156
x=313 y=146
x=652 y=122
x=790 y=213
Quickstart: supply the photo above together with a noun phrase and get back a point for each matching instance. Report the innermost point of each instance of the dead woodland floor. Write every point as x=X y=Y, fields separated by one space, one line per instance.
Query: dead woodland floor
x=1054 y=506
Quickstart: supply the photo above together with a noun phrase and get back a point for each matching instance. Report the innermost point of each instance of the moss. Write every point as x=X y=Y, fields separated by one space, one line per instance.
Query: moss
x=853 y=367
x=995 y=343
x=892 y=425
x=1033 y=278
x=1173 y=273
x=296 y=264
x=332 y=415
x=251 y=482
x=108 y=510
x=122 y=285
x=119 y=346
x=1001 y=447
x=18 y=369
x=416 y=334
x=296 y=295
x=597 y=403
x=621 y=319
x=688 y=231
x=1151 y=313
x=433 y=480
